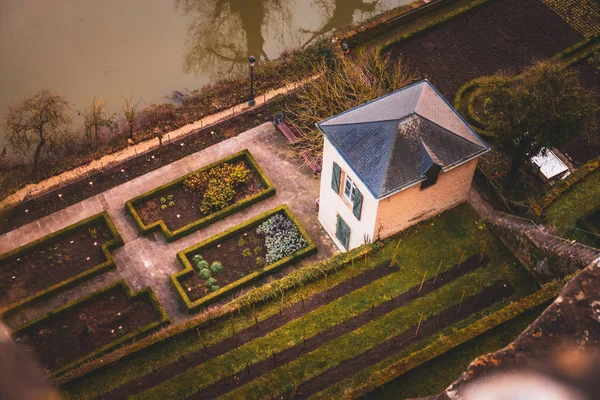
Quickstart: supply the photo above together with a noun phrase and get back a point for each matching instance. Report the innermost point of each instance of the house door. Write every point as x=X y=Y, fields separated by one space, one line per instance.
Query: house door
x=342 y=232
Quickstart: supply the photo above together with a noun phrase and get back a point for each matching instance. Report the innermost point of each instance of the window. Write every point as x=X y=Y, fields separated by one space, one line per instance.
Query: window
x=349 y=189
x=431 y=176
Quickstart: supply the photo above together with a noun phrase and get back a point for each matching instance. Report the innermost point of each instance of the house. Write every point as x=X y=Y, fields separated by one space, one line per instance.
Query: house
x=393 y=162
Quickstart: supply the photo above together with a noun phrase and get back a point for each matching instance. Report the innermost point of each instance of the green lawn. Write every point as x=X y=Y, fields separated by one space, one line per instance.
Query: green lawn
x=578 y=201
x=456 y=234
x=436 y=375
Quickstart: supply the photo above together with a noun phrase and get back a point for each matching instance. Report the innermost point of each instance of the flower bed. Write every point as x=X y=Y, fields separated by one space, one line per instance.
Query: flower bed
x=201 y=197
x=72 y=334
x=57 y=261
x=235 y=258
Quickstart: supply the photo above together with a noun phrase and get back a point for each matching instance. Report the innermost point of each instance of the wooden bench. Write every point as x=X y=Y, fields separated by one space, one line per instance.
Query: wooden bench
x=288 y=133
x=315 y=165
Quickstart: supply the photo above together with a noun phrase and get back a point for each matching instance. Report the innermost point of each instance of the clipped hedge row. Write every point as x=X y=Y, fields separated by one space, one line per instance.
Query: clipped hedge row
x=163 y=320
x=170 y=236
x=463 y=100
x=188 y=270
x=253 y=297
x=117 y=241
x=443 y=344
x=564 y=185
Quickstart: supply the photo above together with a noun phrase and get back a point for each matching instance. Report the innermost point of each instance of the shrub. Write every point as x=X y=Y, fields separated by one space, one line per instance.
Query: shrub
x=282 y=237
x=197 y=258
x=204 y=273
x=214 y=288
x=246 y=253
x=211 y=282
x=202 y=264
x=163 y=200
x=257 y=250
x=171 y=204
x=260 y=262
x=163 y=207
x=216 y=267
x=242 y=242
x=218 y=185
x=170 y=197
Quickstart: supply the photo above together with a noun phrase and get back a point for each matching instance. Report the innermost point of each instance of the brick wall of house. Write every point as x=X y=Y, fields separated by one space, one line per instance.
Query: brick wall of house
x=413 y=205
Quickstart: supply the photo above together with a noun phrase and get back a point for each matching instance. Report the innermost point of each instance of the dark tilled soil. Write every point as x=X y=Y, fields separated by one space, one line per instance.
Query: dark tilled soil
x=51 y=262
x=253 y=371
x=229 y=254
x=582 y=150
x=503 y=35
x=75 y=332
x=187 y=203
x=289 y=314
x=77 y=191
x=498 y=291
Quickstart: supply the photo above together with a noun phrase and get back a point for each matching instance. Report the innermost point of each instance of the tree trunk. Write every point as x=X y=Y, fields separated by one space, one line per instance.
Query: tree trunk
x=38 y=151
x=131 y=130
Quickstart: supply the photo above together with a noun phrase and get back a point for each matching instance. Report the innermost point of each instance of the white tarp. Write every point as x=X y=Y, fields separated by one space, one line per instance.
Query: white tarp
x=549 y=164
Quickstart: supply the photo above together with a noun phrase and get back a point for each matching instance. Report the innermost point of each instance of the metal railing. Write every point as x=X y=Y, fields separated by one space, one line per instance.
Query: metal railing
x=581 y=235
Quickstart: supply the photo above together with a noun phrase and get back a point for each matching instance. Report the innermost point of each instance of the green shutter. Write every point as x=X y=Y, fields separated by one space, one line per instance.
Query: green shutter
x=336 y=177
x=342 y=232
x=357 y=206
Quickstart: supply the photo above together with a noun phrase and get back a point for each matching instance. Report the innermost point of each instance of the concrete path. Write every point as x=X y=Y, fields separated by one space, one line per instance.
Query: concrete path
x=139 y=148
x=149 y=261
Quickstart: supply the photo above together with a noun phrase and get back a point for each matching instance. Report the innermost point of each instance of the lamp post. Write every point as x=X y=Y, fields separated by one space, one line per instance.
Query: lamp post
x=251 y=61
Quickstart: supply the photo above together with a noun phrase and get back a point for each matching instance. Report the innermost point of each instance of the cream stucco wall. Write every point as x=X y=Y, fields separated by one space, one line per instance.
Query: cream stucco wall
x=332 y=204
x=413 y=205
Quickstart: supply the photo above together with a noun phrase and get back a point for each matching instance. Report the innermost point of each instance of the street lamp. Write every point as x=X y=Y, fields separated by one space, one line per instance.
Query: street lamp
x=251 y=61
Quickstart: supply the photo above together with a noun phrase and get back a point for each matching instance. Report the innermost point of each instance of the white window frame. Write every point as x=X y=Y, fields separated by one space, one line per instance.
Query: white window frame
x=352 y=189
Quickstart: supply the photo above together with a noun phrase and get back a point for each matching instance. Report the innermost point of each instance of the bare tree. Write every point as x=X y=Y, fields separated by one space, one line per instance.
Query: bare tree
x=95 y=118
x=38 y=120
x=130 y=110
x=347 y=83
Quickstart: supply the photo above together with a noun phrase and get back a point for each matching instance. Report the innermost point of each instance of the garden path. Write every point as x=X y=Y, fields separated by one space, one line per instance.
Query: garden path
x=150 y=260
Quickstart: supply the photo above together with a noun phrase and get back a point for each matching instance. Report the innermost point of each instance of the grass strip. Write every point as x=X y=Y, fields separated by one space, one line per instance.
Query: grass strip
x=311 y=324
x=337 y=352
x=381 y=373
x=269 y=190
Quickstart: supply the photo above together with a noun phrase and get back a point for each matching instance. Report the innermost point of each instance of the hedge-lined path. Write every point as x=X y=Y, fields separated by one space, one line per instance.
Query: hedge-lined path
x=150 y=260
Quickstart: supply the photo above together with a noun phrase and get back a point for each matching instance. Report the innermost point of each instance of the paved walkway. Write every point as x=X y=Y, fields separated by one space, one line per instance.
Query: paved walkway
x=135 y=150
x=150 y=260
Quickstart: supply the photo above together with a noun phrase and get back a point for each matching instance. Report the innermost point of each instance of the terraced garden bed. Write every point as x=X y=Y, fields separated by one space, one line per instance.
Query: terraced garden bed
x=57 y=261
x=504 y=35
x=312 y=327
x=95 y=324
x=239 y=256
x=201 y=197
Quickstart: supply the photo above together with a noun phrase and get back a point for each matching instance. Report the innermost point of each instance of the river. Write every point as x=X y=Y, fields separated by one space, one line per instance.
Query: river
x=82 y=49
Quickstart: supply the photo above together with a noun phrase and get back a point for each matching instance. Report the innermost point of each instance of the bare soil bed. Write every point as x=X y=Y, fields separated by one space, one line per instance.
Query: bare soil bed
x=498 y=291
x=505 y=35
x=75 y=192
x=186 y=204
x=53 y=261
x=76 y=331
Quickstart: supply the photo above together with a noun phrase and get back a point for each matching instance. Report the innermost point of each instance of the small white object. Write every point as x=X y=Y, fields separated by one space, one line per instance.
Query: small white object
x=18 y=259
x=95 y=243
x=120 y=327
x=122 y=170
x=152 y=157
x=119 y=313
x=112 y=331
x=27 y=210
x=178 y=216
x=91 y=183
x=88 y=259
x=218 y=245
x=212 y=132
x=60 y=195
x=14 y=277
x=182 y=144
x=71 y=241
x=189 y=289
x=245 y=233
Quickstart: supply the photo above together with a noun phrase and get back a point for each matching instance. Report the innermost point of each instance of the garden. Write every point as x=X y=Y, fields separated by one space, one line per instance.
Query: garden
x=301 y=334
x=202 y=197
x=239 y=256
x=90 y=326
x=57 y=261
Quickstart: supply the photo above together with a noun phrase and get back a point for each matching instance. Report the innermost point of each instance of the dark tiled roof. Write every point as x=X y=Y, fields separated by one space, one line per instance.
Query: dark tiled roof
x=392 y=141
